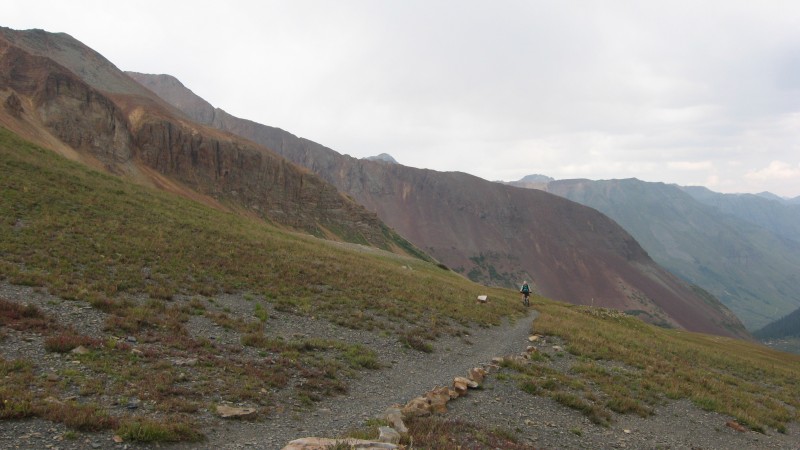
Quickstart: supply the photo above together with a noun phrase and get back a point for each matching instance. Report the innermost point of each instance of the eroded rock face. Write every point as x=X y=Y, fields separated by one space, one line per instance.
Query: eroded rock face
x=82 y=100
x=13 y=105
x=75 y=113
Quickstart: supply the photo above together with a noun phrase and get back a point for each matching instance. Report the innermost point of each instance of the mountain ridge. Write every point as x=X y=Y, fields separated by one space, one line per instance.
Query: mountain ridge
x=482 y=238
x=132 y=132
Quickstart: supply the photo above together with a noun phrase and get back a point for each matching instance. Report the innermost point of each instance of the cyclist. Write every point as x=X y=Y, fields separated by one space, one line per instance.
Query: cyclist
x=526 y=292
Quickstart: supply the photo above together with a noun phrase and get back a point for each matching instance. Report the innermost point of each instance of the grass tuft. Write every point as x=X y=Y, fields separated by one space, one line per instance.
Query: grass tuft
x=147 y=431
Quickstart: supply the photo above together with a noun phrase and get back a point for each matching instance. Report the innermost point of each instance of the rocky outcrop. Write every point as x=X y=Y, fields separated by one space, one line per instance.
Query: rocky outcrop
x=72 y=111
x=14 y=106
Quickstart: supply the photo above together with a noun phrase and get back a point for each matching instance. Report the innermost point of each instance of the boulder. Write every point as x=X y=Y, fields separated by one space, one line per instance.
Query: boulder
x=417 y=407
x=388 y=434
x=438 y=399
x=313 y=443
x=483 y=298
x=460 y=388
x=394 y=416
x=461 y=384
x=470 y=383
x=80 y=350
x=477 y=374
x=227 y=412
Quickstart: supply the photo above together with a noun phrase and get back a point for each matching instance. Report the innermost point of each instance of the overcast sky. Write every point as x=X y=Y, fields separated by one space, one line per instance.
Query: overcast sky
x=694 y=93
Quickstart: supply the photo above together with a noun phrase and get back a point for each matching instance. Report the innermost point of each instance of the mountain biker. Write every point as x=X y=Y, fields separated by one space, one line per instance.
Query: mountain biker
x=526 y=292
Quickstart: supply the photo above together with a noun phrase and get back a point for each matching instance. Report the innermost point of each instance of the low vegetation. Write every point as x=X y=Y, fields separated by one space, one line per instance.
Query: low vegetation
x=440 y=433
x=618 y=363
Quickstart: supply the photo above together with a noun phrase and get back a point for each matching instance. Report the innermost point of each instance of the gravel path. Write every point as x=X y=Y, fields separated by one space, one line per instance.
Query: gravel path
x=535 y=420
x=408 y=374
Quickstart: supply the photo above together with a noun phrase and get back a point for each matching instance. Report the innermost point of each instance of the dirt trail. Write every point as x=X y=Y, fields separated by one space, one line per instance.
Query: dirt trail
x=411 y=374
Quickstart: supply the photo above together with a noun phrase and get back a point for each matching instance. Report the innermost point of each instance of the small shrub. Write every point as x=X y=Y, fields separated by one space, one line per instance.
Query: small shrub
x=66 y=342
x=147 y=430
x=79 y=417
x=261 y=313
x=359 y=356
x=411 y=340
x=530 y=387
x=23 y=317
x=594 y=413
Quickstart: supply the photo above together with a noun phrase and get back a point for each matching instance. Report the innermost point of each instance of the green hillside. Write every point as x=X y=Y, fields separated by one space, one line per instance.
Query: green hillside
x=753 y=271
x=149 y=265
x=89 y=236
x=786 y=327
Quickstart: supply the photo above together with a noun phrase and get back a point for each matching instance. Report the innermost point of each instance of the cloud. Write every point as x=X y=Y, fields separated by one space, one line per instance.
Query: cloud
x=662 y=91
x=690 y=165
x=776 y=170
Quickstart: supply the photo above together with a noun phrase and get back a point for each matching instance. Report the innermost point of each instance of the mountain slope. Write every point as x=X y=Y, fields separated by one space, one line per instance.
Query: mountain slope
x=63 y=95
x=788 y=326
x=771 y=213
x=492 y=233
x=754 y=272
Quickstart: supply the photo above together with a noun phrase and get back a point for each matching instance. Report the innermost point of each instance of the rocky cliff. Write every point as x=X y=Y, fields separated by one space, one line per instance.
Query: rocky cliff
x=493 y=233
x=62 y=95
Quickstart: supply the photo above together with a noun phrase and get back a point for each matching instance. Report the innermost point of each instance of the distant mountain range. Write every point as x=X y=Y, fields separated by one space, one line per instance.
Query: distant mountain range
x=491 y=233
x=744 y=249
x=776 y=214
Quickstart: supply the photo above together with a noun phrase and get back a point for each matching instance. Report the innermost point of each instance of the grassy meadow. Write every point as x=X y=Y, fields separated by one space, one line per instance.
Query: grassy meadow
x=620 y=364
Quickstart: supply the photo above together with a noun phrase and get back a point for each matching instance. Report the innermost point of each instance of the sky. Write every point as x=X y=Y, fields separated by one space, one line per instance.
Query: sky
x=688 y=92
